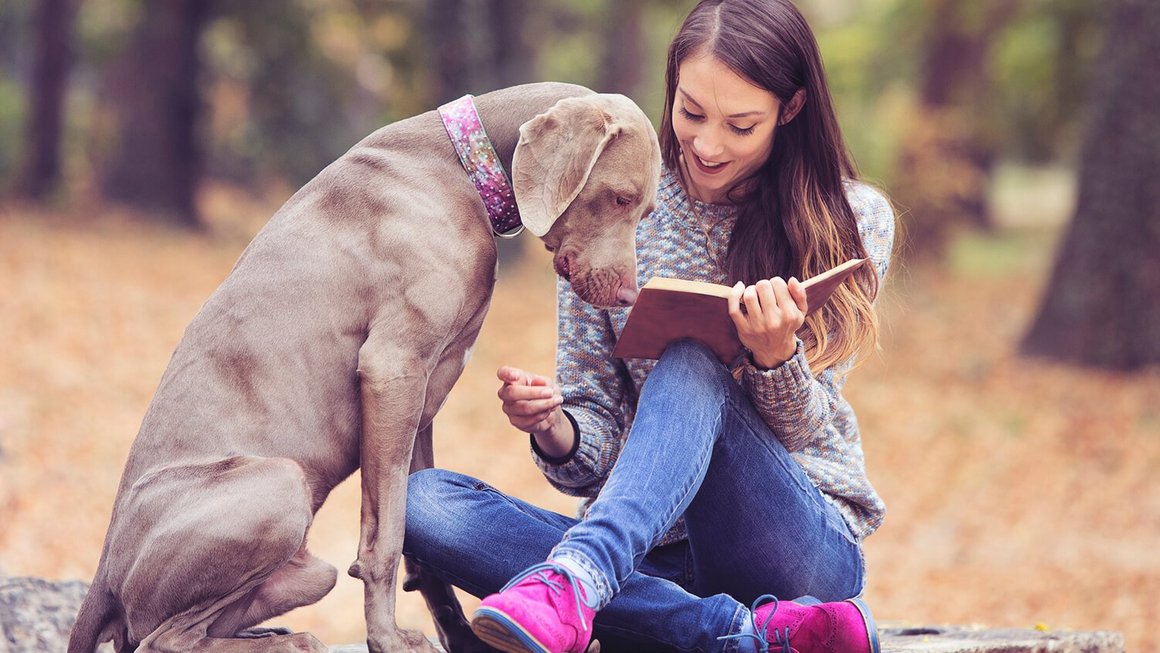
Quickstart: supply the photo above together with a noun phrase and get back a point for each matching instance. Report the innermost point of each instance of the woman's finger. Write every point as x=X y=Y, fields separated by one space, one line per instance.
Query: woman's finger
x=780 y=291
x=526 y=392
x=516 y=376
x=753 y=308
x=798 y=292
x=531 y=408
x=734 y=301
x=768 y=298
x=511 y=375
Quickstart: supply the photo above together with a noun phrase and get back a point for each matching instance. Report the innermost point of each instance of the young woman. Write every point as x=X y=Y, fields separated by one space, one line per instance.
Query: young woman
x=708 y=489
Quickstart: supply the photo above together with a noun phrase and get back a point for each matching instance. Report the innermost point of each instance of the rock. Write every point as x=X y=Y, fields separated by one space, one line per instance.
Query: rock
x=976 y=639
x=36 y=615
x=965 y=639
x=360 y=648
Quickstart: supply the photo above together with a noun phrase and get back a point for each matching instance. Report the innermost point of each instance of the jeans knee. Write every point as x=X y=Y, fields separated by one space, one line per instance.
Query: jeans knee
x=427 y=481
x=692 y=364
x=431 y=495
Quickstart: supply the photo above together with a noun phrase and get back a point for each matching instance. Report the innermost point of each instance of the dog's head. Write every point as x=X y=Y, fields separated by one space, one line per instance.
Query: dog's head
x=585 y=172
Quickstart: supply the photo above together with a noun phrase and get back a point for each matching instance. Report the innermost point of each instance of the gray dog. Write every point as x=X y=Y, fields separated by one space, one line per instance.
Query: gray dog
x=330 y=347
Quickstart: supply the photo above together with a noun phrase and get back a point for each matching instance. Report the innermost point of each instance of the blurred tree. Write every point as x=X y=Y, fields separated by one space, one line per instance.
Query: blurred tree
x=478 y=46
x=15 y=61
x=157 y=161
x=623 y=42
x=289 y=82
x=948 y=153
x=41 y=172
x=513 y=58
x=1040 y=70
x=446 y=28
x=1101 y=305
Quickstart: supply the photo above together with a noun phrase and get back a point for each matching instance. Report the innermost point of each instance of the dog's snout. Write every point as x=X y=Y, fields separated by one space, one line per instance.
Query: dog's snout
x=563 y=264
x=626 y=296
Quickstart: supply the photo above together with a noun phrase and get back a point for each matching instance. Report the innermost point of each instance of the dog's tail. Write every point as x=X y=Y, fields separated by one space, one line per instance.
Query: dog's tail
x=98 y=621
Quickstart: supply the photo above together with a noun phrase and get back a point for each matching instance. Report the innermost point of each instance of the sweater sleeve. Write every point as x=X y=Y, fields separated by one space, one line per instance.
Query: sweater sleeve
x=795 y=403
x=596 y=389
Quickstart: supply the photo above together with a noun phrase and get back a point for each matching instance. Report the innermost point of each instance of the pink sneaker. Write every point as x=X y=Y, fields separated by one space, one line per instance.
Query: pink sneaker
x=807 y=625
x=542 y=610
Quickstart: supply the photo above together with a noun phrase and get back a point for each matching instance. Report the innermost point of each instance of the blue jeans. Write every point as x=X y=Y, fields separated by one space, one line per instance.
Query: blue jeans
x=755 y=522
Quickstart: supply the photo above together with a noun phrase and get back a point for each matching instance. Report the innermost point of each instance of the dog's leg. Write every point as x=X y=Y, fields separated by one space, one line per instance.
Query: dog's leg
x=422 y=457
x=393 y=387
x=183 y=635
x=194 y=547
x=455 y=632
x=303 y=580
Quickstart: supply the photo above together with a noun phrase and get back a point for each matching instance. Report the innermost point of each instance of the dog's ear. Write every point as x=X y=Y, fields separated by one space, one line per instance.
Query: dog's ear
x=555 y=155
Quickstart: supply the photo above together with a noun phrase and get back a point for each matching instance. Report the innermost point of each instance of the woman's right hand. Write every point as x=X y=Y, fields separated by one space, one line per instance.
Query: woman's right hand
x=532 y=405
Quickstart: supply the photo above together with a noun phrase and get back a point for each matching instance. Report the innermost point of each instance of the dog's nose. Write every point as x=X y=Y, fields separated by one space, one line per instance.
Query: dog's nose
x=626 y=296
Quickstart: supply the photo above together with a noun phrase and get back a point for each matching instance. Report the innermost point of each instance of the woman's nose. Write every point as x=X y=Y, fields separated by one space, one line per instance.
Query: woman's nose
x=707 y=144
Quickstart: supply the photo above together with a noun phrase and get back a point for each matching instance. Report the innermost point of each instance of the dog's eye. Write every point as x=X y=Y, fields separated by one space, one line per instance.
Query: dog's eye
x=622 y=200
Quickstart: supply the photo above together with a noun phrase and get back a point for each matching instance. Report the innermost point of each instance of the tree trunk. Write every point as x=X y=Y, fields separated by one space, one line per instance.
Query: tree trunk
x=158 y=161
x=512 y=56
x=41 y=172
x=623 y=42
x=1102 y=306
x=446 y=30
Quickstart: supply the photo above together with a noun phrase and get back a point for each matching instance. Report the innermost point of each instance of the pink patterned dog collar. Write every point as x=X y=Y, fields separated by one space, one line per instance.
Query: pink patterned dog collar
x=482 y=164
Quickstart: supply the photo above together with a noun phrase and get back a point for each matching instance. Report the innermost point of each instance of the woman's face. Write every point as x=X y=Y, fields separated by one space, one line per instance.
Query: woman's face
x=724 y=124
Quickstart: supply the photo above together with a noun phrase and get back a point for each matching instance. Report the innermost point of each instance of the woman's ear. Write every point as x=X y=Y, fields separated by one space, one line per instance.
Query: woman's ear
x=793 y=107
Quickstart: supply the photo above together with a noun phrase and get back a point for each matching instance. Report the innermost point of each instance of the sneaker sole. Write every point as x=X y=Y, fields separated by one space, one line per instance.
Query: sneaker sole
x=498 y=630
x=871 y=628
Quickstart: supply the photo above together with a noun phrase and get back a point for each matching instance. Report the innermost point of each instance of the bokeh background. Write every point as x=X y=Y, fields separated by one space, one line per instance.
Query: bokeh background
x=1011 y=418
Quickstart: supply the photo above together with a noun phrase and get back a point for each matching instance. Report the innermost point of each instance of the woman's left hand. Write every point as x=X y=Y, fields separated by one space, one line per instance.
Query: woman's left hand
x=773 y=312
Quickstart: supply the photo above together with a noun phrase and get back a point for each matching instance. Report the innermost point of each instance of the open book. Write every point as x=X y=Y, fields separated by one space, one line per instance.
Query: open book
x=669 y=310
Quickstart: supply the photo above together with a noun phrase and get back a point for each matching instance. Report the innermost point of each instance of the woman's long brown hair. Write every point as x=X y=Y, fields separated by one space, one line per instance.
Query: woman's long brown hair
x=793 y=215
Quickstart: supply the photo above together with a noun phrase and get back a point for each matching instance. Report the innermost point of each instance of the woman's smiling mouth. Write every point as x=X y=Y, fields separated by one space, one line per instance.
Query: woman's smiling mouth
x=707 y=167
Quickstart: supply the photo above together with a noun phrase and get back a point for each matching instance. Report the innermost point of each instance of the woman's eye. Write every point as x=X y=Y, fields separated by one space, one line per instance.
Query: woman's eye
x=742 y=131
x=691 y=116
